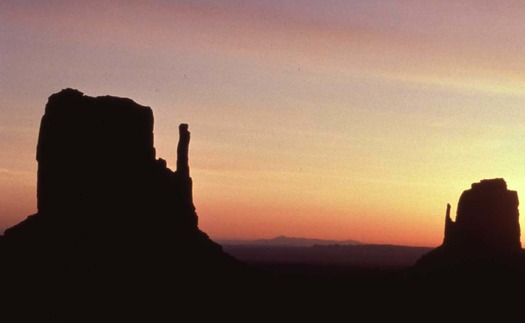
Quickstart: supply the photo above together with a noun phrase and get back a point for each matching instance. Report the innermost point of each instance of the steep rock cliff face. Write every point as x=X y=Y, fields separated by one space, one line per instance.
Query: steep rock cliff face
x=487 y=218
x=98 y=176
x=485 y=235
x=109 y=212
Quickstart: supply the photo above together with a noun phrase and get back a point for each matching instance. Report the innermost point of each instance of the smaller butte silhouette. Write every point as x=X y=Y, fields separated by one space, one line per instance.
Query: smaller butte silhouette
x=485 y=236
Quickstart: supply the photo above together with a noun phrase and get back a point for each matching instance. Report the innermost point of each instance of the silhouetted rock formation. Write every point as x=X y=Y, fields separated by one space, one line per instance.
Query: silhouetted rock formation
x=110 y=215
x=487 y=218
x=484 y=237
x=97 y=171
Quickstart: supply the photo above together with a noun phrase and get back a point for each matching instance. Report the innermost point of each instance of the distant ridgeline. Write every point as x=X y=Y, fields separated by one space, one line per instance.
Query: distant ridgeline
x=484 y=238
x=109 y=212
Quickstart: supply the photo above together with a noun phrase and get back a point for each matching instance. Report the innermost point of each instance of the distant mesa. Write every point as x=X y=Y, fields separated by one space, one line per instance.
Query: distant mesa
x=109 y=211
x=485 y=233
x=284 y=241
x=277 y=252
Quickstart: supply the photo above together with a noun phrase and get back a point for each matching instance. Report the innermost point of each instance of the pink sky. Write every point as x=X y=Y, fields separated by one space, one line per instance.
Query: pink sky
x=328 y=119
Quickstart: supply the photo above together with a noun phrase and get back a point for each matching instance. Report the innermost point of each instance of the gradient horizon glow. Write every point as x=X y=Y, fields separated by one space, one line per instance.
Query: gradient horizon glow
x=316 y=118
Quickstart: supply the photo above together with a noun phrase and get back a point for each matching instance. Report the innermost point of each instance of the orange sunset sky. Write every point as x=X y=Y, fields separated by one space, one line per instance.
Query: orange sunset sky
x=317 y=118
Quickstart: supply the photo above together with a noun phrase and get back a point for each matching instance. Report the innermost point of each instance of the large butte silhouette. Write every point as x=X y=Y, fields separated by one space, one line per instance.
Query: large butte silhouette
x=114 y=225
x=483 y=241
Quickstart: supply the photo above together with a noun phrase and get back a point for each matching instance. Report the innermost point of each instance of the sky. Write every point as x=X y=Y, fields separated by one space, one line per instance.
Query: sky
x=326 y=119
